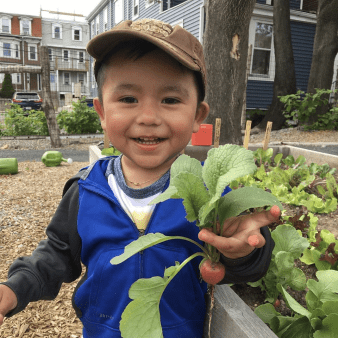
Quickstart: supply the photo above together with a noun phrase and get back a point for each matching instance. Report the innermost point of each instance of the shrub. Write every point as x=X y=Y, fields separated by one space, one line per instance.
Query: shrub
x=301 y=106
x=82 y=120
x=7 y=89
x=18 y=123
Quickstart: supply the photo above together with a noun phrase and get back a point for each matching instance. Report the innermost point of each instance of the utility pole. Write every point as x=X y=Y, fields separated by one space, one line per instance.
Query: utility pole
x=47 y=105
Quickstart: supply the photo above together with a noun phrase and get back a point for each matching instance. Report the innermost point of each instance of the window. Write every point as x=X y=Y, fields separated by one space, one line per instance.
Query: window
x=7 y=49
x=5 y=25
x=309 y=6
x=56 y=31
x=179 y=23
x=118 y=11
x=65 y=55
x=66 y=78
x=136 y=6
x=25 y=27
x=97 y=25
x=105 y=19
x=262 y=50
x=81 y=57
x=16 y=51
x=77 y=33
x=93 y=29
x=32 y=55
x=202 y=23
x=52 y=78
x=50 y=54
x=92 y=76
x=167 y=4
x=81 y=78
x=149 y=3
x=16 y=78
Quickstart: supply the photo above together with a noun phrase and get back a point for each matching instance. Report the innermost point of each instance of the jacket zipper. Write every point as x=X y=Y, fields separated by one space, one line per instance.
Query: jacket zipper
x=140 y=232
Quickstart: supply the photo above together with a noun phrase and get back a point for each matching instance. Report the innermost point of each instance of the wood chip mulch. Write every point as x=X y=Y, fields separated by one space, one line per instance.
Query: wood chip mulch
x=28 y=201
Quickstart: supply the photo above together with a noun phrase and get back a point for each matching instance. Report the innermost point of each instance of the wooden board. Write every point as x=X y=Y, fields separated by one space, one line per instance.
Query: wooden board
x=232 y=318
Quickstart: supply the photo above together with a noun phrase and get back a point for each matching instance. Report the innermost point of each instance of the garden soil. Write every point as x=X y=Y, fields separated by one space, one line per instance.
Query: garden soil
x=28 y=201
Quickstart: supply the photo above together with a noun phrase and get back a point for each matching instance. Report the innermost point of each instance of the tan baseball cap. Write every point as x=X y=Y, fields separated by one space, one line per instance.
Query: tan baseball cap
x=177 y=42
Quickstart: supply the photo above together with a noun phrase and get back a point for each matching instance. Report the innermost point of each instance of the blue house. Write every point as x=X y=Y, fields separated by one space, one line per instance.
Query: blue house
x=190 y=14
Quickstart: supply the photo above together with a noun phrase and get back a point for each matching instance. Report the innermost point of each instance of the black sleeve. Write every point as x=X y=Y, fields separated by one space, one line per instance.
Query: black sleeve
x=54 y=261
x=250 y=268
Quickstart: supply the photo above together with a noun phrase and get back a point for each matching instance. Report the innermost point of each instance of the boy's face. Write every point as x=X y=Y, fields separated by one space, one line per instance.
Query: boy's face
x=149 y=109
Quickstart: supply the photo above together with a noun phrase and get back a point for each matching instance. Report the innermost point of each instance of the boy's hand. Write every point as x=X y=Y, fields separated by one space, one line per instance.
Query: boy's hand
x=241 y=235
x=8 y=301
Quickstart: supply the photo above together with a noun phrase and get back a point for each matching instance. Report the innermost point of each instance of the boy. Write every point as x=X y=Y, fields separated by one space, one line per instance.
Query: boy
x=151 y=81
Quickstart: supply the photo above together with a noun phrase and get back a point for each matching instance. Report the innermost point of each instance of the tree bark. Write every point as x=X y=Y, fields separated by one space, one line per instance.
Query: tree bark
x=325 y=49
x=285 y=78
x=47 y=105
x=226 y=48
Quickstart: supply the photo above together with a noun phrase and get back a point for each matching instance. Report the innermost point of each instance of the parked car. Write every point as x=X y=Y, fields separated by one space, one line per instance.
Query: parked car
x=27 y=101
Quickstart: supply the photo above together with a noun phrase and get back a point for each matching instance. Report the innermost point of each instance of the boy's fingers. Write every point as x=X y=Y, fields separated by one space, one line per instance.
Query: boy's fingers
x=8 y=301
x=256 y=241
x=266 y=217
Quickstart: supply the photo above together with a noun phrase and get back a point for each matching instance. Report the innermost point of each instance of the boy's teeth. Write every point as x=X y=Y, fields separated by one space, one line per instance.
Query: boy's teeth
x=147 y=140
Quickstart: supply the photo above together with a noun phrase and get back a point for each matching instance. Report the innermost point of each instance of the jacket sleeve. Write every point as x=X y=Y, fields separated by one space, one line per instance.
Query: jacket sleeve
x=55 y=260
x=252 y=267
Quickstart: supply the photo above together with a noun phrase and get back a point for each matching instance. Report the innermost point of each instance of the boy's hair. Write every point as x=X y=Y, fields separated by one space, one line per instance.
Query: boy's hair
x=134 y=50
x=177 y=42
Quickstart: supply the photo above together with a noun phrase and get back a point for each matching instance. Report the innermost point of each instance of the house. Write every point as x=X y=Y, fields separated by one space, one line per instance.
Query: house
x=66 y=36
x=20 y=38
x=190 y=14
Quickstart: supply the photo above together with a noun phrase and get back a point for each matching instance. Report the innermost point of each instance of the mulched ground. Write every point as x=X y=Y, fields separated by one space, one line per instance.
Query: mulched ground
x=28 y=201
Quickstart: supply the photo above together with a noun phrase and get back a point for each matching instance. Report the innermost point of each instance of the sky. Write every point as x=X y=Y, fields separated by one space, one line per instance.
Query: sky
x=32 y=7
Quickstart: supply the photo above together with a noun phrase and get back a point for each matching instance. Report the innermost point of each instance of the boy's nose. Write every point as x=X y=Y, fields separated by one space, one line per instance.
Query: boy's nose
x=149 y=115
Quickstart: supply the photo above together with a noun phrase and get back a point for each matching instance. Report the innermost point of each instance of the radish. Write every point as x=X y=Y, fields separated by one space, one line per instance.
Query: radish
x=276 y=303
x=211 y=272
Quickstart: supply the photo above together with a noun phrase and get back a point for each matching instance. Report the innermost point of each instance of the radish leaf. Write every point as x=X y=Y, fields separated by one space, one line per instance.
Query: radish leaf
x=240 y=200
x=225 y=164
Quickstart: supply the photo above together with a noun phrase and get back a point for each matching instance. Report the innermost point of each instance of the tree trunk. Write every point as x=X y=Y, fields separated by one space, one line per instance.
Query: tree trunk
x=226 y=50
x=325 y=49
x=285 y=78
x=47 y=105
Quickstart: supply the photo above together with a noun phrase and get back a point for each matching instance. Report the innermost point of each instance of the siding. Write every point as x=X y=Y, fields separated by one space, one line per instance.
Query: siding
x=259 y=94
x=302 y=36
x=295 y=4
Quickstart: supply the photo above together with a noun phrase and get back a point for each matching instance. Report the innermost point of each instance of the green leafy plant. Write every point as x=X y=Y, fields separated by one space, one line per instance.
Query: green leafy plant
x=18 y=123
x=7 y=89
x=111 y=151
x=319 y=320
x=81 y=120
x=289 y=246
x=290 y=180
x=321 y=251
x=201 y=188
x=301 y=106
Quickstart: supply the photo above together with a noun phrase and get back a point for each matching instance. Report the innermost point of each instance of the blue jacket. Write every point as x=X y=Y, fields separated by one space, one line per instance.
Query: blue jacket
x=91 y=227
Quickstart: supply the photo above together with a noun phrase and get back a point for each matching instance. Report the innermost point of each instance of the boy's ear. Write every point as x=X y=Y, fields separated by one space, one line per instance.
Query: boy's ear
x=201 y=114
x=99 y=109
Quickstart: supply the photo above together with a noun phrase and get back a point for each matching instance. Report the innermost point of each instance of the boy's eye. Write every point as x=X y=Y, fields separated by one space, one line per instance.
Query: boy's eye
x=170 y=100
x=128 y=99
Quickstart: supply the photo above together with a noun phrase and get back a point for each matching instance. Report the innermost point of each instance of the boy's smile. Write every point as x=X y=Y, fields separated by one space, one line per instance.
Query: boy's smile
x=149 y=111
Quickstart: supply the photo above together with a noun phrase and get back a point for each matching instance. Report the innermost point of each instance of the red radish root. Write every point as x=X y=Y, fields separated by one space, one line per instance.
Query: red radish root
x=212 y=273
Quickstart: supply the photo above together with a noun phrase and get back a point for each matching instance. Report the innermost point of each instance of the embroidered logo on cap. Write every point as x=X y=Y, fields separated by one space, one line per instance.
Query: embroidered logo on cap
x=153 y=27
